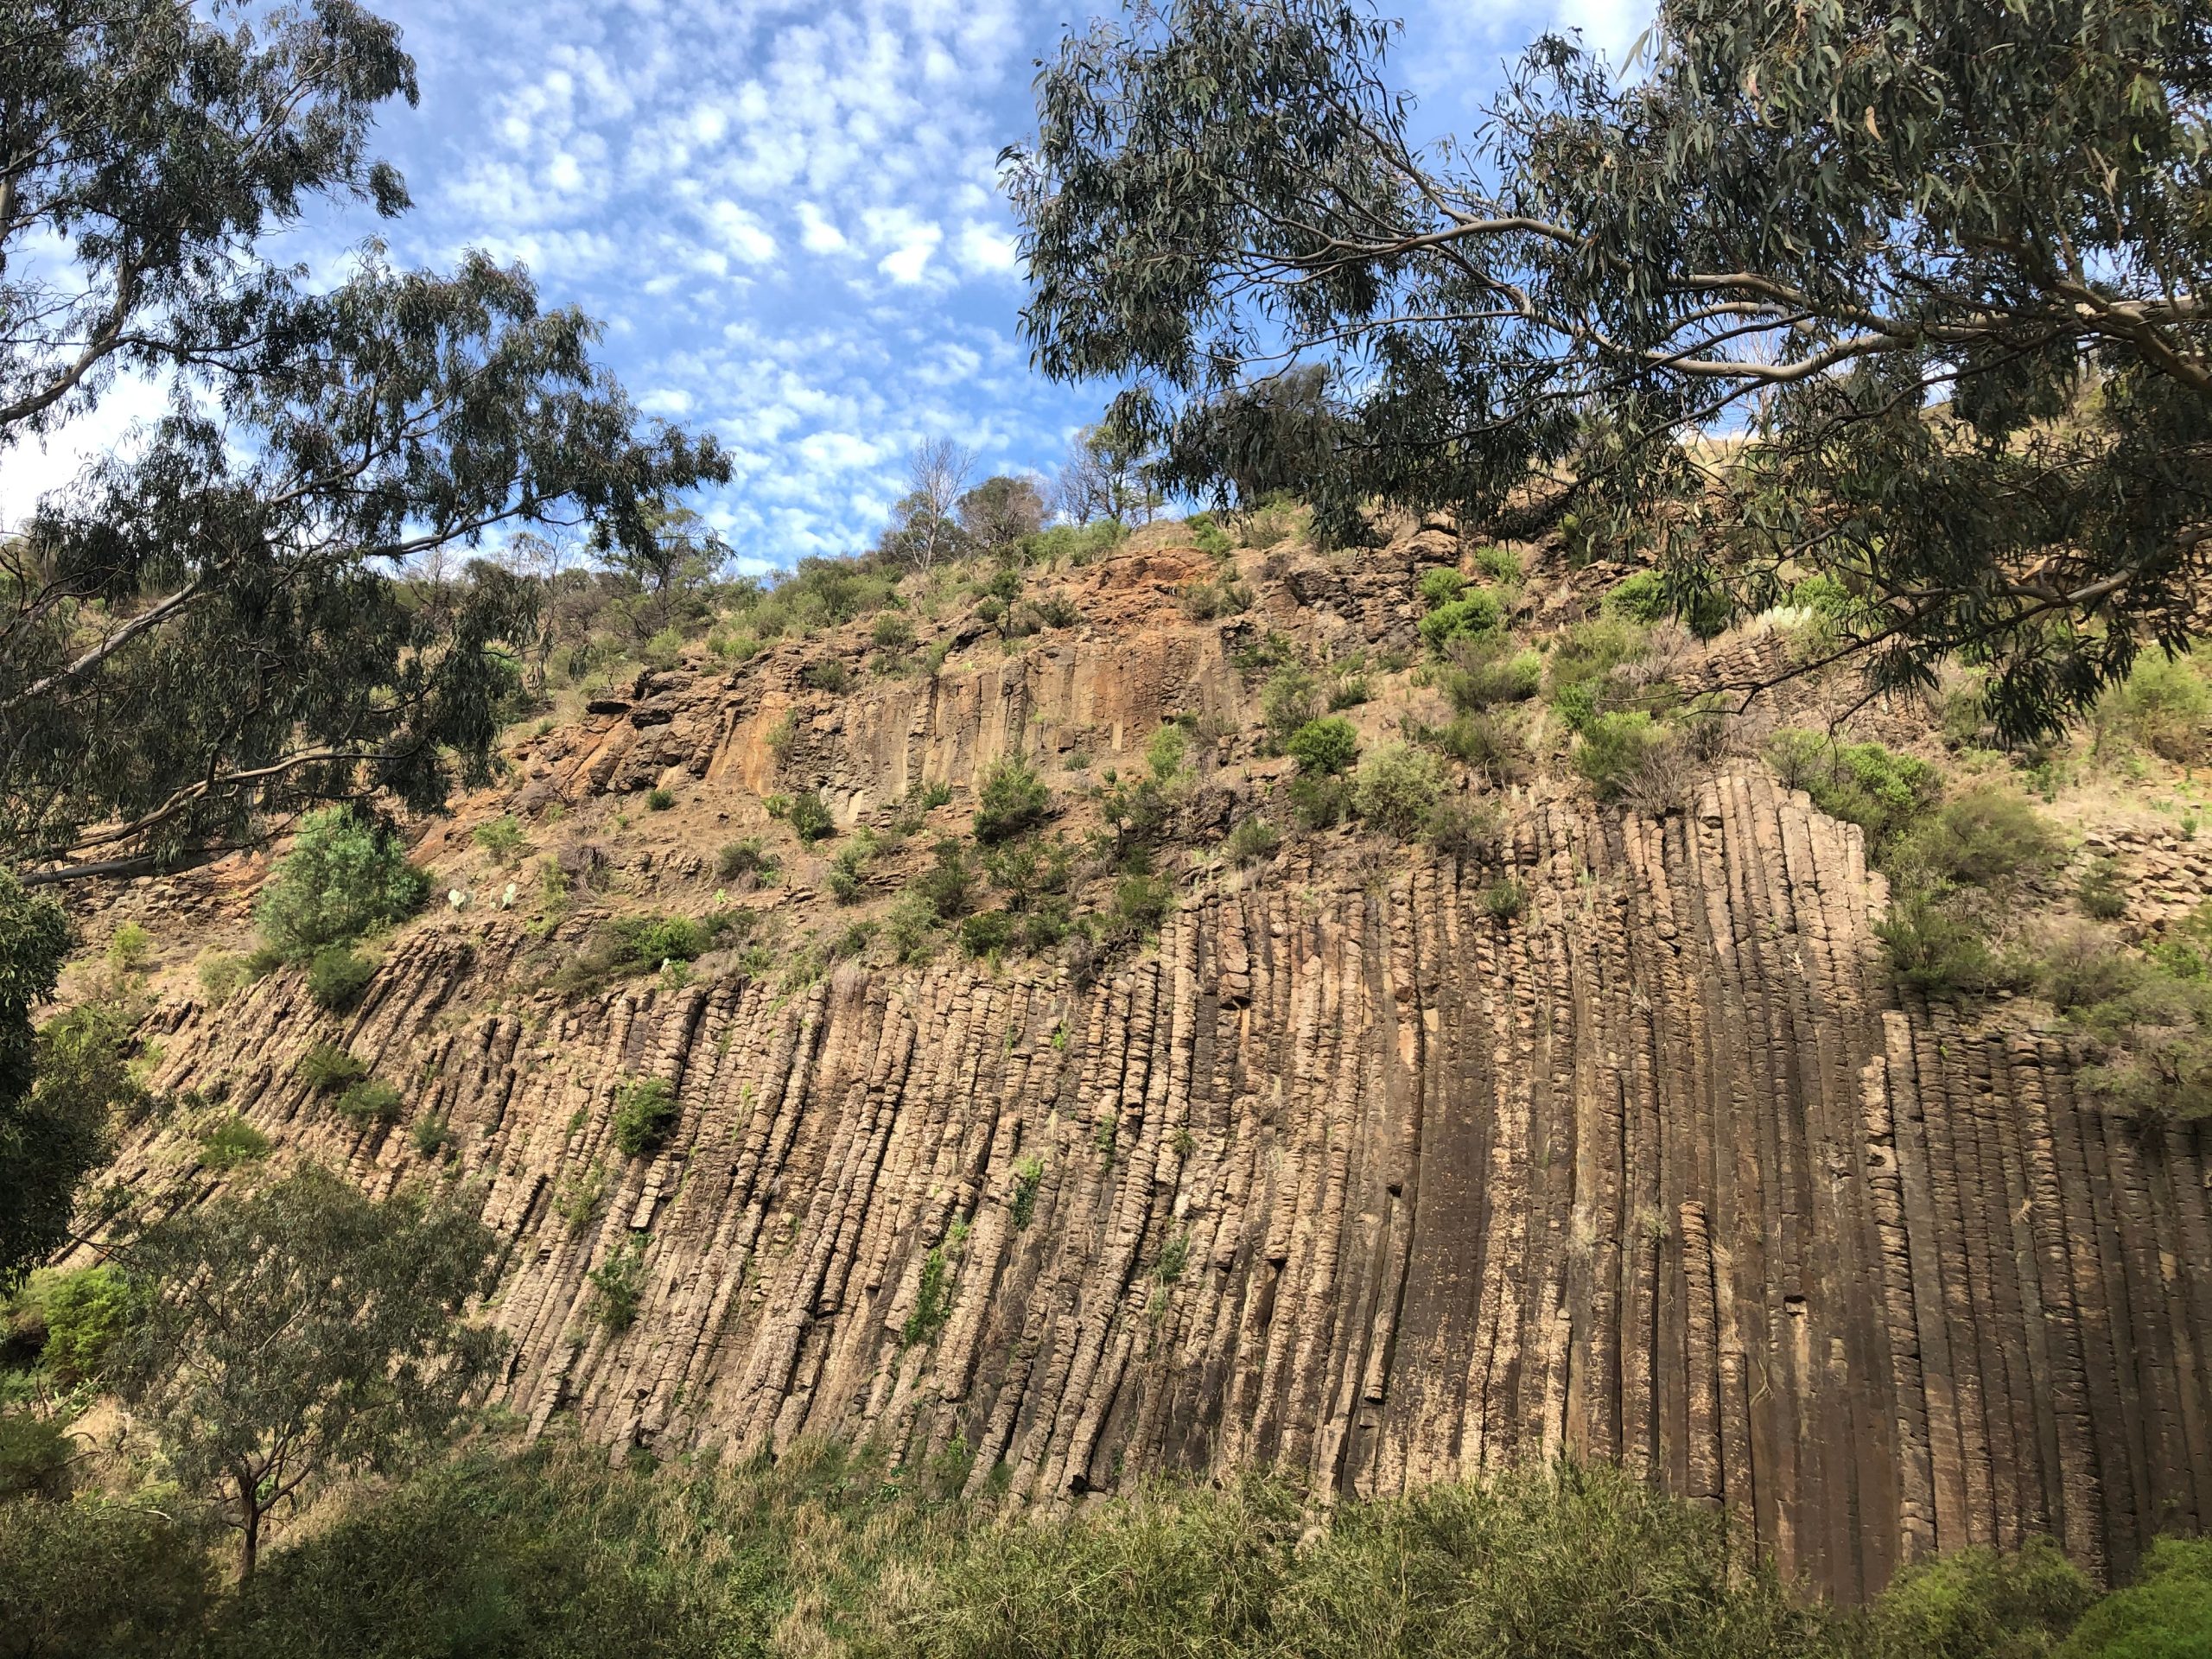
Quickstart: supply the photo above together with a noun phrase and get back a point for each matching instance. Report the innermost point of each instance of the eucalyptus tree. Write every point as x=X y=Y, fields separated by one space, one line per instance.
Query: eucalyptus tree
x=226 y=620
x=291 y=1334
x=1906 y=292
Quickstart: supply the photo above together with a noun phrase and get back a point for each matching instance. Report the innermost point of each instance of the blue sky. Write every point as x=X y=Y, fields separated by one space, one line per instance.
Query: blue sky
x=785 y=215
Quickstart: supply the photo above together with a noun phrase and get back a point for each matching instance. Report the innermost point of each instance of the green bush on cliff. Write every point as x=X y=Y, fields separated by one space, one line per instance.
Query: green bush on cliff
x=344 y=876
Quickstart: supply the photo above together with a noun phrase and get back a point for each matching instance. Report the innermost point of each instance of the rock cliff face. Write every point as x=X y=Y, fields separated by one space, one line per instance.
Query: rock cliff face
x=1350 y=1174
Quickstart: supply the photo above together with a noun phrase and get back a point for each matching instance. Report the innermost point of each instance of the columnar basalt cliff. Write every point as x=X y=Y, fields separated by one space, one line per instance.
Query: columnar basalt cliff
x=1354 y=1173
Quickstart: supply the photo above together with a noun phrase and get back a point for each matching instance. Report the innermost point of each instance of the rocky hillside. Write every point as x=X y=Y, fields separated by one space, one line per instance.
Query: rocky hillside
x=1600 y=1131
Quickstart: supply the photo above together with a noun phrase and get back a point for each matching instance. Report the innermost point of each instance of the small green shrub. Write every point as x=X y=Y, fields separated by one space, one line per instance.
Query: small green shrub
x=1253 y=839
x=810 y=818
x=1989 y=837
x=337 y=976
x=343 y=876
x=129 y=947
x=430 y=1134
x=1441 y=585
x=1463 y=829
x=326 y=1068
x=843 y=877
x=84 y=1311
x=1615 y=750
x=647 y=942
x=1504 y=899
x=502 y=837
x=619 y=1287
x=659 y=799
x=948 y=887
x=1488 y=670
x=1325 y=747
x=2165 y=706
x=644 y=1115
x=1141 y=905
x=2099 y=894
x=1013 y=800
x=1490 y=743
x=230 y=1143
x=824 y=674
x=1474 y=614
x=1397 y=788
x=1935 y=951
x=1587 y=653
x=1646 y=597
x=371 y=1101
x=1028 y=1176
x=1318 y=800
x=1500 y=564
x=744 y=861
x=222 y=976
x=1165 y=754
x=932 y=1301
x=890 y=631
x=1289 y=699
x=1058 y=611
x=1884 y=793
x=986 y=933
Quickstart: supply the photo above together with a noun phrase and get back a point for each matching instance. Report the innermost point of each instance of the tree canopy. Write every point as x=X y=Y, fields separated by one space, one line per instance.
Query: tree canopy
x=300 y=1330
x=1904 y=291
x=226 y=620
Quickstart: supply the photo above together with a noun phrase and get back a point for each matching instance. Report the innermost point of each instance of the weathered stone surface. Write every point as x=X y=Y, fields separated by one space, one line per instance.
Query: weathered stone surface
x=1348 y=1175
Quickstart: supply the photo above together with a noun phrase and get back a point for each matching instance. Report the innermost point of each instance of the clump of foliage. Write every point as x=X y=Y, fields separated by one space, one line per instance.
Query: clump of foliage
x=948 y=887
x=326 y=1068
x=1646 y=597
x=73 y=1317
x=618 y=1286
x=1398 y=789
x=1289 y=698
x=337 y=975
x=344 y=876
x=744 y=860
x=1013 y=801
x=644 y=1115
x=1616 y=752
x=1325 y=747
x=320 y=1332
x=659 y=799
x=810 y=818
x=2147 y=1016
x=988 y=932
x=1253 y=839
x=502 y=837
x=1474 y=614
x=2166 y=1612
x=1936 y=951
x=1486 y=670
x=824 y=674
x=230 y=1142
x=1884 y=793
x=1976 y=1601
x=2164 y=705
x=1583 y=665
x=371 y=1101
x=1504 y=899
x=1028 y=1176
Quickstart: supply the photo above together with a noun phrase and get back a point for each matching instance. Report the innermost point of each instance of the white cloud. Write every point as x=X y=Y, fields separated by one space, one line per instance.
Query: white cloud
x=983 y=249
x=742 y=233
x=817 y=233
x=907 y=262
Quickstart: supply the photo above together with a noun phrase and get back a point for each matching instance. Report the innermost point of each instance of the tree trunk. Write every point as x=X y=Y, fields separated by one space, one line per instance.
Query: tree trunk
x=248 y=1527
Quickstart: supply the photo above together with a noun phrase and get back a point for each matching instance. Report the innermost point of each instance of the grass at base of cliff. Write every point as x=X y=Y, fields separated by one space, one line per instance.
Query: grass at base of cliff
x=557 y=1551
